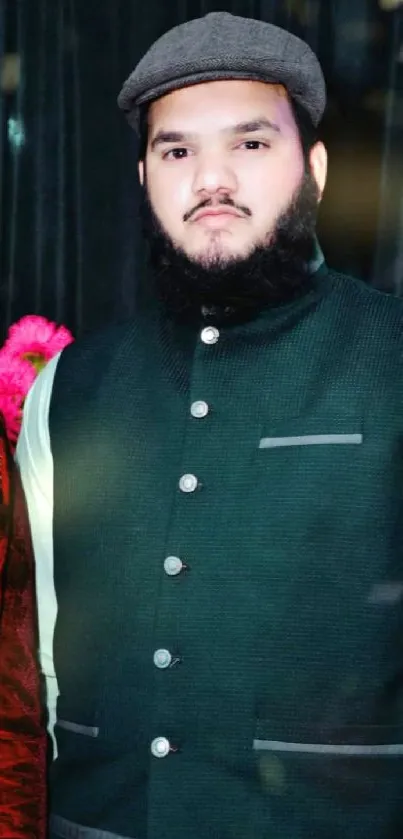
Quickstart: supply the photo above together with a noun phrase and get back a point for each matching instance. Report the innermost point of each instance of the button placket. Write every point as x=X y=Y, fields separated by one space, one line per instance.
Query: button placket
x=189 y=483
x=209 y=336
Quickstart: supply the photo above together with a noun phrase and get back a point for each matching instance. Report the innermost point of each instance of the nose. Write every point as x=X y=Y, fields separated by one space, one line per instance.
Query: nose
x=213 y=176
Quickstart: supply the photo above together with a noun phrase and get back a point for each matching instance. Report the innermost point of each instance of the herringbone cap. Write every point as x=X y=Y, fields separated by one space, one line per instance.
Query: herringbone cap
x=224 y=46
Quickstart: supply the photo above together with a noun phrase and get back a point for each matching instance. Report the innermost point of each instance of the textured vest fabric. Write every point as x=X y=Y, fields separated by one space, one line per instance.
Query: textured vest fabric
x=283 y=701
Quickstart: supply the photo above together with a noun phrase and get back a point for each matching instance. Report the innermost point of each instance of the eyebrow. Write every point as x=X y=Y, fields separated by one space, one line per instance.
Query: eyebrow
x=165 y=137
x=255 y=125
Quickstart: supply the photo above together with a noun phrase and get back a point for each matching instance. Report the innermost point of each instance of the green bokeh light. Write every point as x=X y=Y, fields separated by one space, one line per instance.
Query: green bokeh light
x=16 y=133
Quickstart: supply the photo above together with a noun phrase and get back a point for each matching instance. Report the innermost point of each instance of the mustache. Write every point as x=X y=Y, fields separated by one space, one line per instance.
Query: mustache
x=226 y=201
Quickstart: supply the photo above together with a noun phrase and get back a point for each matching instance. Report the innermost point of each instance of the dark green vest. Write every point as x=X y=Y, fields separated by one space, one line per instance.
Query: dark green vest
x=228 y=541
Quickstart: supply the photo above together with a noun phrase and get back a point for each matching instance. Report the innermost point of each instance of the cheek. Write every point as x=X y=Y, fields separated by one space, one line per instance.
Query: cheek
x=271 y=191
x=170 y=193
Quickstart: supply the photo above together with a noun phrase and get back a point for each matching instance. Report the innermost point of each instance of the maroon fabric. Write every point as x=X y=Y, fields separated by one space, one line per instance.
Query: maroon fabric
x=22 y=735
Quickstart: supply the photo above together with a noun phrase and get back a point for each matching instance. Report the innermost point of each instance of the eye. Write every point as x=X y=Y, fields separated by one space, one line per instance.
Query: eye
x=254 y=145
x=176 y=154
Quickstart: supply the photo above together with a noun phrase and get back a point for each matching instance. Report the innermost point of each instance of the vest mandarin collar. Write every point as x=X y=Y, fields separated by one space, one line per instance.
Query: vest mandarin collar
x=228 y=317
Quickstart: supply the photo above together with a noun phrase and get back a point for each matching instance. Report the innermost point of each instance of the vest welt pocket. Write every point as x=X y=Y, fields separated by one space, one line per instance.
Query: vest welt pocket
x=321 y=429
x=353 y=761
x=303 y=464
x=344 y=741
x=66 y=829
x=310 y=440
x=330 y=749
x=78 y=728
x=77 y=714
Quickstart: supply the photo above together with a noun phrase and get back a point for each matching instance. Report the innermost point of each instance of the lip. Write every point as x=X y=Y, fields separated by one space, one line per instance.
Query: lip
x=219 y=212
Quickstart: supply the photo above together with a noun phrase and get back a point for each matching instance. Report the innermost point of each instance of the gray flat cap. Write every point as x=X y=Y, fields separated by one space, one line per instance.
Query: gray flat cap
x=223 y=46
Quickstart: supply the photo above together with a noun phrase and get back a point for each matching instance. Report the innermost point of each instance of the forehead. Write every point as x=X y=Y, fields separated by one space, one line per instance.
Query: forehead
x=212 y=106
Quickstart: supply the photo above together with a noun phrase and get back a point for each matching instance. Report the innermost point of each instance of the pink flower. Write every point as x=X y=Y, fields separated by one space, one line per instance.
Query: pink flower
x=15 y=382
x=35 y=339
x=30 y=344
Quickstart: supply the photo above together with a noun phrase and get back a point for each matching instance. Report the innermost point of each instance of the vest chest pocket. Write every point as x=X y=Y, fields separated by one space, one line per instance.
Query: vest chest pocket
x=308 y=472
x=319 y=430
x=310 y=440
x=315 y=455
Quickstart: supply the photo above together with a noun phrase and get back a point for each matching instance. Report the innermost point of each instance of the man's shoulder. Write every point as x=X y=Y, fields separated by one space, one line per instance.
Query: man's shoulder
x=104 y=341
x=366 y=304
x=97 y=349
x=82 y=365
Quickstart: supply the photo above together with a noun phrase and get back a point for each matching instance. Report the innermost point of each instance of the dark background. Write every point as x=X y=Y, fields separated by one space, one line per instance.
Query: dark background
x=70 y=244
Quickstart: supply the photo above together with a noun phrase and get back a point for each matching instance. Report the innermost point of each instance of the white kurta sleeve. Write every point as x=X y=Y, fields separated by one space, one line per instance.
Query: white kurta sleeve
x=34 y=458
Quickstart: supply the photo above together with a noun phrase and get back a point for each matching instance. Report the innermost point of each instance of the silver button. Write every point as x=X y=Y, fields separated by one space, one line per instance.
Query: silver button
x=188 y=483
x=162 y=659
x=160 y=747
x=199 y=409
x=210 y=335
x=173 y=565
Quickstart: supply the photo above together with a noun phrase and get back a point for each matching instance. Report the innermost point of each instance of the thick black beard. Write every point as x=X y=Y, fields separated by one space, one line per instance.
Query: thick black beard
x=271 y=275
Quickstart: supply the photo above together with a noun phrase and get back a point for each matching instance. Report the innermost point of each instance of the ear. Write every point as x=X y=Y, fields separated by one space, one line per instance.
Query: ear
x=318 y=165
x=141 y=172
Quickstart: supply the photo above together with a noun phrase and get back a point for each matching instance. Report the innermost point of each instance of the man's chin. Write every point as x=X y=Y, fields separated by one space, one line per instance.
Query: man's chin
x=217 y=257
x=210 y=274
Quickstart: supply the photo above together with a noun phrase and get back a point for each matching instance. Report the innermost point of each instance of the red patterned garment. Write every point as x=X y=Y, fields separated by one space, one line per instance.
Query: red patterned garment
x=22 y=735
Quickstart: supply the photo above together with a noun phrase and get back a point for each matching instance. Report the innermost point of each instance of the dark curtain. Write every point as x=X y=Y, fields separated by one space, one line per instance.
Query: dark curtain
x=71 y=248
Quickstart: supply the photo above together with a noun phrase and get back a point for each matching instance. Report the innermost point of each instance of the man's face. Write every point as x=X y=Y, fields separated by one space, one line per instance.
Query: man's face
x=223 y=162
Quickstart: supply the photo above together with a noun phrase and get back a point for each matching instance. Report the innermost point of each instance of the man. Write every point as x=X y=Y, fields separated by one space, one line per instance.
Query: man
x=22 y=735
x=216 y=488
